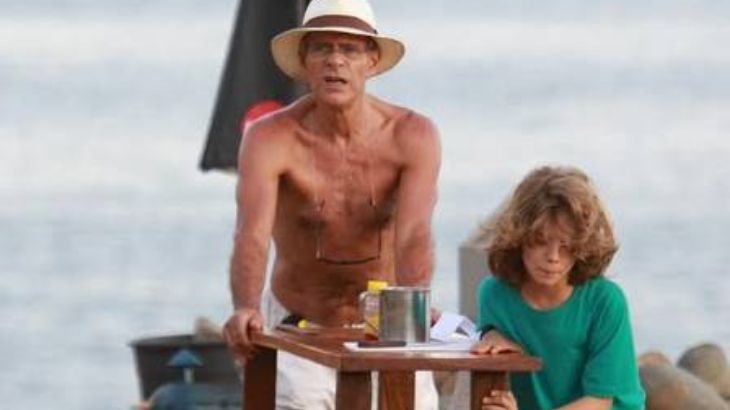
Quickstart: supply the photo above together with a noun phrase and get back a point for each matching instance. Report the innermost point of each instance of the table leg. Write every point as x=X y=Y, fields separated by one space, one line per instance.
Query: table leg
x=396 y=390
x=483 y=382
x=353 y=391
x=259 y=380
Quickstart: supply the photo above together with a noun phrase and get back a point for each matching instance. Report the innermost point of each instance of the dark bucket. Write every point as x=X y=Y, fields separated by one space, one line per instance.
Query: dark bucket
x=152 y=354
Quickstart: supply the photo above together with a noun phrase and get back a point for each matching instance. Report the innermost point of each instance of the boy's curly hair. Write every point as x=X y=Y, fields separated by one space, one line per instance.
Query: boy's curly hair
x=542 y=195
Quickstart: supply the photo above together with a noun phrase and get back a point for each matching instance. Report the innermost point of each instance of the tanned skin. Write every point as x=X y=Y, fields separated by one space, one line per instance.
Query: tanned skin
x=314 y=167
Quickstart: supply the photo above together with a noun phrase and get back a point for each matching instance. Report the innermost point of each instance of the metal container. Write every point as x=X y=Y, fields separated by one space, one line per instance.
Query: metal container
x=405 y=314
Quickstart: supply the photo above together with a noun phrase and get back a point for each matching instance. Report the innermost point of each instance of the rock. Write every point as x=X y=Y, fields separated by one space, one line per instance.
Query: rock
x=671 y=388
x=708 y=362
x=653 y=357
x=205 y=330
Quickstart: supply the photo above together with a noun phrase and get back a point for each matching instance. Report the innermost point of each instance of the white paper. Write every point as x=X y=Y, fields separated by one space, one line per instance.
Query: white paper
x=452 y=332
x=449 y=323
x=456 y=344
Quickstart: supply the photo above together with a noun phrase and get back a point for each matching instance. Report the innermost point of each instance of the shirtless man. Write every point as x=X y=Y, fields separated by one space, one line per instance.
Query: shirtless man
x=343 y=182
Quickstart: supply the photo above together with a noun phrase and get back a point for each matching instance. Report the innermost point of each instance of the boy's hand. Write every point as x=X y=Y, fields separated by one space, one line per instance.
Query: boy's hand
x=499 y=400
x=494 y=342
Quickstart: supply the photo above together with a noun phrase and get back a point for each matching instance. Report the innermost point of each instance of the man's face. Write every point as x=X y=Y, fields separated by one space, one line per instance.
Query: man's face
x=337 y=66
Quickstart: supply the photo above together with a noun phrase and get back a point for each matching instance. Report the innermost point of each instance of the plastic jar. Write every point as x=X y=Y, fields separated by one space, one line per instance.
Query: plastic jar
x=370 y=307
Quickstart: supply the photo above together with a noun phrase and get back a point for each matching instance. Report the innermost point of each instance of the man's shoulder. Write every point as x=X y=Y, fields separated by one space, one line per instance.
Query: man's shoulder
x=277 y=126
x=412 y=131
x=403 y=117
x=409 y=121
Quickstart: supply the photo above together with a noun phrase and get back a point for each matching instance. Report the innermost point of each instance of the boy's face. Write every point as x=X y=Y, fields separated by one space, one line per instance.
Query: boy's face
x=548 y=255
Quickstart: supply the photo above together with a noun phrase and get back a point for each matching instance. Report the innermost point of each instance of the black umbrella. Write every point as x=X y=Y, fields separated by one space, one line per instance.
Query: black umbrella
x=252 y=84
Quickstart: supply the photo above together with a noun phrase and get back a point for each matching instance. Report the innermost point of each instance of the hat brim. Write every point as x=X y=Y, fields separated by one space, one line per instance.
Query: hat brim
x=285 y=49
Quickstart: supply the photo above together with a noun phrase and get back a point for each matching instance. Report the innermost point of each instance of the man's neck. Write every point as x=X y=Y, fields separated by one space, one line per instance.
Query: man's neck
x=342 y=124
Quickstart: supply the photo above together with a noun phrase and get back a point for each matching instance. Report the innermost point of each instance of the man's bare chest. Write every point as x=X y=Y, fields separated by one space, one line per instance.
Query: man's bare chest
x=328 y=188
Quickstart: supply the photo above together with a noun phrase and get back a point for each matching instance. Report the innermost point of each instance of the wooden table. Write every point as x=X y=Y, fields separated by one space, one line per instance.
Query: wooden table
x=396 y=386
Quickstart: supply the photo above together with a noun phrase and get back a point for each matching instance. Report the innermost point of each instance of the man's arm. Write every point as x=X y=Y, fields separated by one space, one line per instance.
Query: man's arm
x=256 y=195
x=419 y=142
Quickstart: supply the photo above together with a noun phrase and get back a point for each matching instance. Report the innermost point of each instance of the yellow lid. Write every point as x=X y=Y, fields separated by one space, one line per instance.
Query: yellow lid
x=376 y=285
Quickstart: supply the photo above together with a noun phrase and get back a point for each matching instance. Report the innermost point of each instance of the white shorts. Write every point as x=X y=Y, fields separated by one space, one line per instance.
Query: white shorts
x=302 y=384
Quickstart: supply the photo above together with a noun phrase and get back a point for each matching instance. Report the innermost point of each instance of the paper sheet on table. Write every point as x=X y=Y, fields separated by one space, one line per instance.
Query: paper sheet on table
x=458 y=344
x=449 y=323
x=452 y=332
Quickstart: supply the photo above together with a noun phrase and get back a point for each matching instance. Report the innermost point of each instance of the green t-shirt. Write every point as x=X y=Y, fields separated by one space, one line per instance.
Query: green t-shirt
x=585 y=344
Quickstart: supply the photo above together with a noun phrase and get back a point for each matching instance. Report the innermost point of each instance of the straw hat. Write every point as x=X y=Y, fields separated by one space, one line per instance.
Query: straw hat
x=339 y=16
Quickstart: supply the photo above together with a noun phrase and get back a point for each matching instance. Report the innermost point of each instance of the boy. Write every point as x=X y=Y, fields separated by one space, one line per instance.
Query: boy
x=548 y=249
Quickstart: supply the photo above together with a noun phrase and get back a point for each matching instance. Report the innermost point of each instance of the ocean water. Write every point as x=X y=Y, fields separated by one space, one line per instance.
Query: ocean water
x=110 y=233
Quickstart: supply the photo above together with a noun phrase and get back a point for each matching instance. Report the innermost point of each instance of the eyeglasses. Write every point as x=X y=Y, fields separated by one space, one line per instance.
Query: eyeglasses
x=322 y=50
x=319 y=255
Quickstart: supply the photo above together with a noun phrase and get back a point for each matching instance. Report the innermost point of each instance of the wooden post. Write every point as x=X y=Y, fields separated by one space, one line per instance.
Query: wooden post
x=482 y=383
x=353 y=390
x=259 y=380
x=396 y=390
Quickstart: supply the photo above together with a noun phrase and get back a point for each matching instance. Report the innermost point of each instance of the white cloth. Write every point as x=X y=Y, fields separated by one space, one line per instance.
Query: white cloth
x=461 y=398
x=302 y=384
